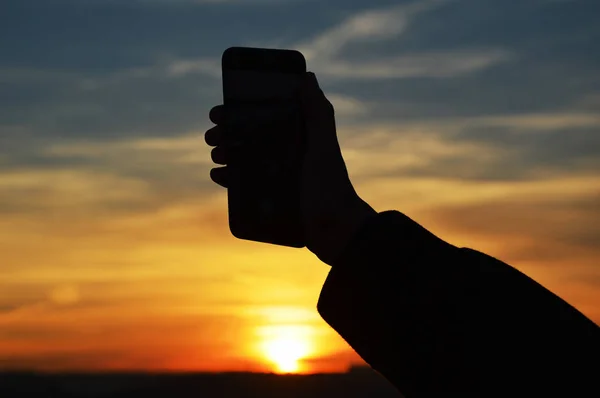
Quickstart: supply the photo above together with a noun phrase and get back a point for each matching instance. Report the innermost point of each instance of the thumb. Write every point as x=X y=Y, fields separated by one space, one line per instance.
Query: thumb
x=319 y=118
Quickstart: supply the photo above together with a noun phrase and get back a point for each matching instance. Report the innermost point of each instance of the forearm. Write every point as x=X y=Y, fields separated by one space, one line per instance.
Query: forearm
x=433 y=318
x=381 y=298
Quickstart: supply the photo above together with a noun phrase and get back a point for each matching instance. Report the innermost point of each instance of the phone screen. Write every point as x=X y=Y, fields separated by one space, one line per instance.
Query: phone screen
x=263 y=115
x=265 y=131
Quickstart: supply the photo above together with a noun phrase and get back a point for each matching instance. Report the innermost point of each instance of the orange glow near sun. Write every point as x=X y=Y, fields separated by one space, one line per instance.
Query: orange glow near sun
x=285 y=346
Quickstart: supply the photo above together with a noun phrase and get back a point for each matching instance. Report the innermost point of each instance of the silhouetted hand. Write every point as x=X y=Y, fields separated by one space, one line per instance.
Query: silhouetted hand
x=332 y=210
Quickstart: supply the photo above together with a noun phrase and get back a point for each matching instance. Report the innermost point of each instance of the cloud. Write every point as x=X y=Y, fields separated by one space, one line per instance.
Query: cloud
x=539 y=121
x=65 y=295
x=181 y=149
x=346 y=106
x=546 y=228
x=210 y=66
x=23 y=190
x=170 y=67
x=483 y=148
x=98 y=344
x=552 y=238
x=433 y=65
x=325 y=52
x=371 y=25
x=22 y=300
x=396 y=150
x=564 y=228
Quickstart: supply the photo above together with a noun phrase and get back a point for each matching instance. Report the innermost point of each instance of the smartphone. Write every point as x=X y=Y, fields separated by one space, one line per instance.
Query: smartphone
x=264 y=132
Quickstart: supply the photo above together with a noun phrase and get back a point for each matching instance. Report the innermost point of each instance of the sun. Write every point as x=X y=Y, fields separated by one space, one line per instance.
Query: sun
x=284 y=346
x=285 y=353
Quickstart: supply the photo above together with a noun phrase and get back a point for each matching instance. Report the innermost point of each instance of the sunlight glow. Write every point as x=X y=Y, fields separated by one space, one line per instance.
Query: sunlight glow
x=285 y=346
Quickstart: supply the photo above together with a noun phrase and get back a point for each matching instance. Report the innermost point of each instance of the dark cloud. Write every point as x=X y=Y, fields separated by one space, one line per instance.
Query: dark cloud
x=526 y=155
x=543 y=230
x=18 y=296
x=563 y=149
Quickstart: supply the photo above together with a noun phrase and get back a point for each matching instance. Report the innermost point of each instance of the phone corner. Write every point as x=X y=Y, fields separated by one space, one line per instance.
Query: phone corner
x=235 y=230
x=228 y=53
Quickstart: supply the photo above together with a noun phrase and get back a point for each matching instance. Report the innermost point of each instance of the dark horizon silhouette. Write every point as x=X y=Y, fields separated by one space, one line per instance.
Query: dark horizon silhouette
x=359 y=381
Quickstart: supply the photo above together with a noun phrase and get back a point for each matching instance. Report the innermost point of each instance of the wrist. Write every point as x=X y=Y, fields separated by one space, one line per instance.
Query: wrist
x=330 y=243
x=358 y=217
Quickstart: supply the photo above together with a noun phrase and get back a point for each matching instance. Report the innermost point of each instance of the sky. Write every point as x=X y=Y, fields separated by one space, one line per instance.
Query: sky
x=480 y=119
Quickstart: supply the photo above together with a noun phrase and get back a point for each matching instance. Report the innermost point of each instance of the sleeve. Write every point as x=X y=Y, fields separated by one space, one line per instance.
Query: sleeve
x=437 y=320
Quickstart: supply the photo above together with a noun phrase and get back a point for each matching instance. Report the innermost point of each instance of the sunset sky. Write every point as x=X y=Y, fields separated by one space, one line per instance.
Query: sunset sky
x=480 y=119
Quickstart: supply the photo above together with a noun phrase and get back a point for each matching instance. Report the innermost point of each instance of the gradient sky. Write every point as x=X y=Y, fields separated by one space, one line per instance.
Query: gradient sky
x=478 y=118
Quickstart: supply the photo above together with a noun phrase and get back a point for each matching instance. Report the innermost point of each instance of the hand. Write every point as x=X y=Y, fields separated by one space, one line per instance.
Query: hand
x=332 y=210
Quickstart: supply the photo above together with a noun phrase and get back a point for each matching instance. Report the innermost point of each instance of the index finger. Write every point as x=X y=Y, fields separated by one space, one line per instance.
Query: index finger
x=217 y=114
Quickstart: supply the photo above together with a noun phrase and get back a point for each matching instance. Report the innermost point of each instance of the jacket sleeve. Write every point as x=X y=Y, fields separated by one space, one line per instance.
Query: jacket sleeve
x=440 y=321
